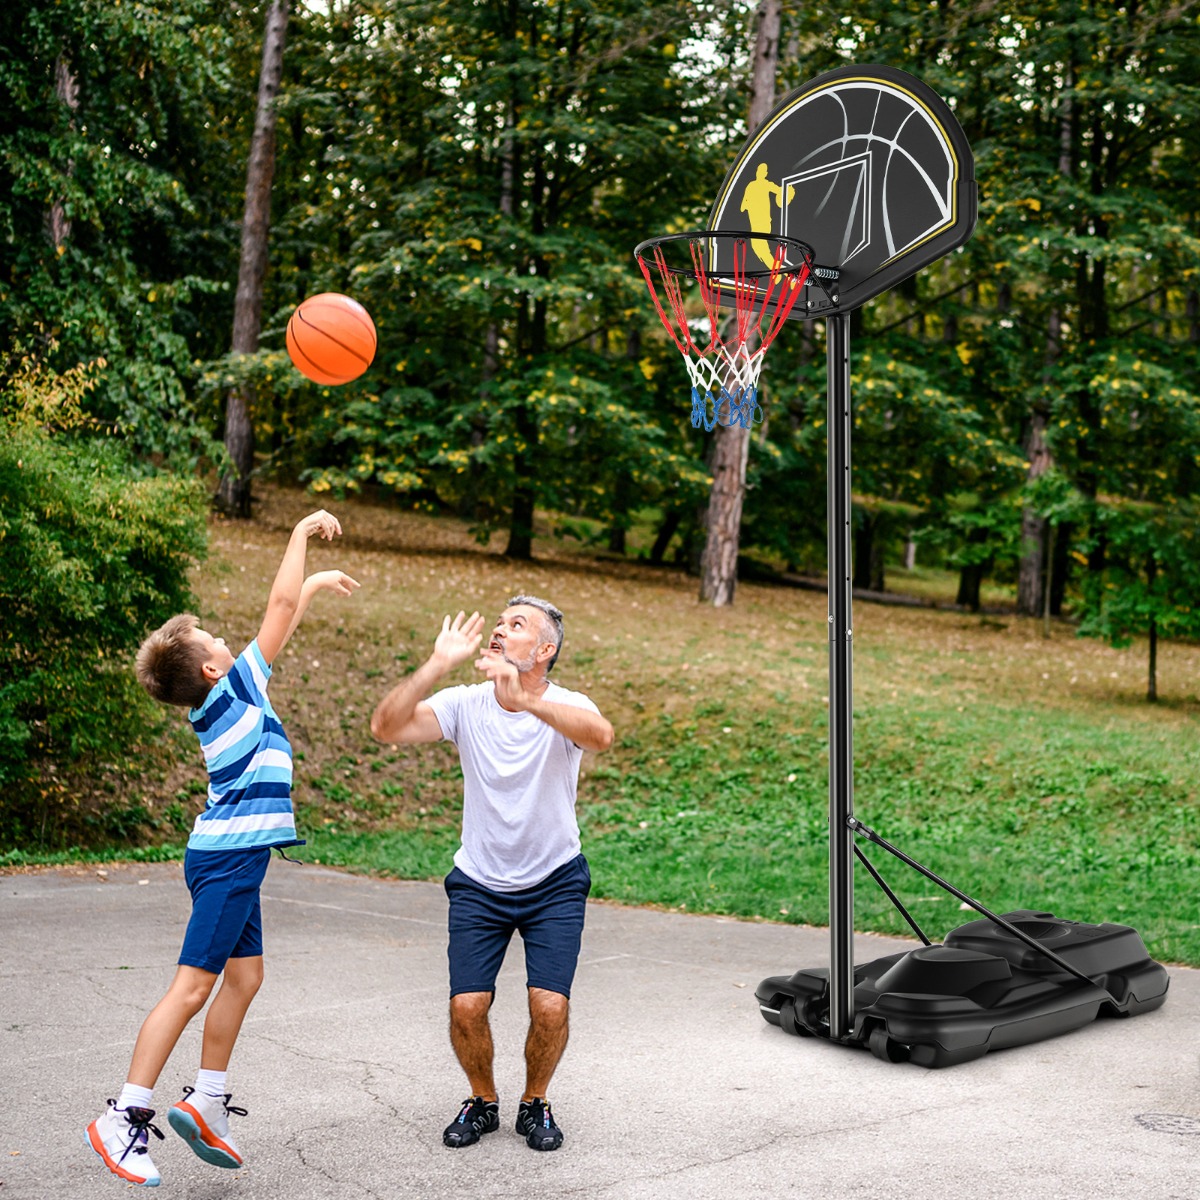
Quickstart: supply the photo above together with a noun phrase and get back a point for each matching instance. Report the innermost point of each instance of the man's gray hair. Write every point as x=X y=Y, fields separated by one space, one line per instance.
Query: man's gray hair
x=552 y=624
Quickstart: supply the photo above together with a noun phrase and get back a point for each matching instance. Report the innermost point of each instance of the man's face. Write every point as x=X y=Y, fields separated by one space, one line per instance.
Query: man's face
x=517 y=636
x=215 y=650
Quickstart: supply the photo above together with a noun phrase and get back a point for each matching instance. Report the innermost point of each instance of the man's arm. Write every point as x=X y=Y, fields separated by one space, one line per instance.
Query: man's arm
x=402 y=716
x=284 y=600
x=587 y=729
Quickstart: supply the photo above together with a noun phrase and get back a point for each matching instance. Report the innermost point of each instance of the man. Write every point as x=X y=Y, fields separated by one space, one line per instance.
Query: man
x=521 y=739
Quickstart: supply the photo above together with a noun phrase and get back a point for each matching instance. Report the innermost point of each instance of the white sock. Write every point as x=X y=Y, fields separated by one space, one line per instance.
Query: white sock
x=211 y=1084
x=133 y=1096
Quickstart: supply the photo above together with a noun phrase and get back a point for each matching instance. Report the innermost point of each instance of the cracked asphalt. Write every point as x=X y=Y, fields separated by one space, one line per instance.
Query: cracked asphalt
x=672 y=1086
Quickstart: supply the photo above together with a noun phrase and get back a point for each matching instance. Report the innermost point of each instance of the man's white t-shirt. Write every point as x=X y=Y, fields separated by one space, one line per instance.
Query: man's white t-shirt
x=520 y=779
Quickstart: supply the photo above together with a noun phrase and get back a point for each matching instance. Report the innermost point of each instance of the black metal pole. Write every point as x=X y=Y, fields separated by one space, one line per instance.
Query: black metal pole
x=841 y=679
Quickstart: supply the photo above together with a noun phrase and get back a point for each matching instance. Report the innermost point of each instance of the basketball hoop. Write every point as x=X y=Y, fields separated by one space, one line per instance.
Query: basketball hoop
x=724 y=364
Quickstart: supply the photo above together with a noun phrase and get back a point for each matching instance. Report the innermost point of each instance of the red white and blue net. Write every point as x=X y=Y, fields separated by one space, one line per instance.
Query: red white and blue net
x=725 y=339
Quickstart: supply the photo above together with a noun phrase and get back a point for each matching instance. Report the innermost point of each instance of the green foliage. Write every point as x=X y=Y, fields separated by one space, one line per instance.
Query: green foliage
x=110 y=245
x=92 y=555
x=1150 y=581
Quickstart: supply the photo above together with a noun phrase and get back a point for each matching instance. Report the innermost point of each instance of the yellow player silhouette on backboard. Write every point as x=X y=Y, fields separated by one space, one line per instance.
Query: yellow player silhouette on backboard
x=756 y=204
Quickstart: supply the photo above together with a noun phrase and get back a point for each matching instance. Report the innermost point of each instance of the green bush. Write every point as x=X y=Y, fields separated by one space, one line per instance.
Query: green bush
x=91 y=558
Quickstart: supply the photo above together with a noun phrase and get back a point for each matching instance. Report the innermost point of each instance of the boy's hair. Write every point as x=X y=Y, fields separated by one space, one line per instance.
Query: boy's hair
x=552 y=622
x=170 y=664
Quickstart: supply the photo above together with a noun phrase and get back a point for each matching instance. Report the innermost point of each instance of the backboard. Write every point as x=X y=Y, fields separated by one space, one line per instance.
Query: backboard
x=866 y=164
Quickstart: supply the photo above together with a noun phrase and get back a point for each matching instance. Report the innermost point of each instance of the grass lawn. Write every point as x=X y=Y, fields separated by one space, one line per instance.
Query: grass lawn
x=1027 y=770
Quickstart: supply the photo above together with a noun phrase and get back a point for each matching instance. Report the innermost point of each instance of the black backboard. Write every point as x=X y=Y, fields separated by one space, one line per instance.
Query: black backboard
x=866 y=164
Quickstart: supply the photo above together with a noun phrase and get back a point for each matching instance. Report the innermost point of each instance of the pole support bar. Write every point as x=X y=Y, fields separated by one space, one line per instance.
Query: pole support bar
x=841 y=675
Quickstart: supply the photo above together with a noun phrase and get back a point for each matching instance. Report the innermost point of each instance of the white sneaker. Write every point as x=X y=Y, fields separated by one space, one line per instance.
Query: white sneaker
x=203 y=1122
x=121 y=1137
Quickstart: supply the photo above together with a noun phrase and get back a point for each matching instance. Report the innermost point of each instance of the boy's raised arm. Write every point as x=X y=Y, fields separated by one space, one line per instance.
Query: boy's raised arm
x=288 y=600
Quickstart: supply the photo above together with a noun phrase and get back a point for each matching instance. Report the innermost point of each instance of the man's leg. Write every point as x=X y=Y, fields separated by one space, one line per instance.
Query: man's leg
x=552 y=927
x=471 y=1037
x=546 y=1041
x=480 y=927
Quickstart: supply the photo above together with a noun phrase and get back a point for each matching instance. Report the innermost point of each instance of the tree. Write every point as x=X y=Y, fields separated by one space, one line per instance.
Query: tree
x=234 y=492
x=491 y=239
x=731 y=443
x=1150 y=580
x=106 y=121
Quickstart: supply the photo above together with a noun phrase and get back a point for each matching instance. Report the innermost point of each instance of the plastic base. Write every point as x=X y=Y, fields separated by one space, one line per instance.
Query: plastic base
x=981 y=990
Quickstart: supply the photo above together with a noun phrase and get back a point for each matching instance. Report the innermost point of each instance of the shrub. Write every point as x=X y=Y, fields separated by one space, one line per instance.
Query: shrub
x=91 y=557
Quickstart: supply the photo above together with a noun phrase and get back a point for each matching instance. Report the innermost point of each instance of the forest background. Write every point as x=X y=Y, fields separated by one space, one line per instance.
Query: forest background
x=477 y=174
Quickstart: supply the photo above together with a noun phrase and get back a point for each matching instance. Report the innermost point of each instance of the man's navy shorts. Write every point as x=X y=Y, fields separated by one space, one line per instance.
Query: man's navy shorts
x=548 y=916
x=226 y=919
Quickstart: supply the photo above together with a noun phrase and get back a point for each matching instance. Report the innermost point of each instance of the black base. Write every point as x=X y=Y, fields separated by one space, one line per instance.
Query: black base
x=982 y=990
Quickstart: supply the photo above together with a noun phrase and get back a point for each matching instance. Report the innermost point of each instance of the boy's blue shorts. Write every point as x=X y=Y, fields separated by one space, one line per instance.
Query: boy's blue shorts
x=548 y=916
x=226 y=920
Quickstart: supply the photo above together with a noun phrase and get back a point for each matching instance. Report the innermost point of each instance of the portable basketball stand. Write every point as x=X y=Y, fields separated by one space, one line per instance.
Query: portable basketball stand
x=870 y=167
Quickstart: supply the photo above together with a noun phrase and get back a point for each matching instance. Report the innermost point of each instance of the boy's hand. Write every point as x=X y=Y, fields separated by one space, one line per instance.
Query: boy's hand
x=322 y=522
x=459 y=640
x=337 y=582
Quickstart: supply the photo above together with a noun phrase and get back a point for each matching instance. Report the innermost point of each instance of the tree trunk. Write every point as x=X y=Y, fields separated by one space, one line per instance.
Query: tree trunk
x=1033 y=528
x=520 y=532
x=66 y=88
x=1152 y=670
x=970 y=580
x=864 y=550
x=1060 y=573
x=233 y=494
x=731 y=444
x=666 y=531
x=1031 y=571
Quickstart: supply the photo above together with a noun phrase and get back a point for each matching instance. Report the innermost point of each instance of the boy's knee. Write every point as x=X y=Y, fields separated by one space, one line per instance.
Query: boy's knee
x=192 y=988
x=245 y=974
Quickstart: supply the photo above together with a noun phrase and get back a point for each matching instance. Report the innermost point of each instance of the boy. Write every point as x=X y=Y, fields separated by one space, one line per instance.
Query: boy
x=249 y=811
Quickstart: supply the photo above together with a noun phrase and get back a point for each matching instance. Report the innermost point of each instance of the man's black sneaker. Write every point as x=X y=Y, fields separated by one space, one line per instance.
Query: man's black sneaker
x=535 y=1123
x=478 y=1116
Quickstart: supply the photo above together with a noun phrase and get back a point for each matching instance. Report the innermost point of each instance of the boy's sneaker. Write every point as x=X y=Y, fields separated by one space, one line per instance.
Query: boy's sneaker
x=535 y=1123
x=478 y=1116
x=203 y=1122
x=121 y=1137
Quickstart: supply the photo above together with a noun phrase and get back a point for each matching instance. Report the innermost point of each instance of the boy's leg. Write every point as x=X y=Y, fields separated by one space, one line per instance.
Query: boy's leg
x=121 y=1135
x=243 y=977
x=201 y=1118
x=166 y=1022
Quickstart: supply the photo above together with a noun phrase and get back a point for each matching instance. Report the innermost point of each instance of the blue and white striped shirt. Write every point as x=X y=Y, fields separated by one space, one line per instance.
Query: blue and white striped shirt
x=249 y=761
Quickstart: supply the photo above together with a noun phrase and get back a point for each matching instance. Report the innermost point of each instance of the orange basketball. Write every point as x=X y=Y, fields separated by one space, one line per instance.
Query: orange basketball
x=331 y=338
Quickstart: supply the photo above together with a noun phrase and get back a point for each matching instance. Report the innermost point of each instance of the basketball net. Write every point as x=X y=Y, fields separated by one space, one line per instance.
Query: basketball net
x=724 y=371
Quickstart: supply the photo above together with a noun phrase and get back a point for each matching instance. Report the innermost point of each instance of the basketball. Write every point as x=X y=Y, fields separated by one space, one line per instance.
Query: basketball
x=331 y=338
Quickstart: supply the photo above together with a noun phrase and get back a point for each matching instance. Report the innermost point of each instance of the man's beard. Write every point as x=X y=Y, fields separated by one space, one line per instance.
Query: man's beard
x=522 y=666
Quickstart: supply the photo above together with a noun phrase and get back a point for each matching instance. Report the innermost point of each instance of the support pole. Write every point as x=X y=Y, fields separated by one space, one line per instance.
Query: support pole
x=841 y=675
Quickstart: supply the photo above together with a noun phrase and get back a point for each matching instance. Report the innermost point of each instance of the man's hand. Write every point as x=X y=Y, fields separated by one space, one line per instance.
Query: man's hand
x=322 y=522
x=402 y=715
x=458 y=640
x=509 y=692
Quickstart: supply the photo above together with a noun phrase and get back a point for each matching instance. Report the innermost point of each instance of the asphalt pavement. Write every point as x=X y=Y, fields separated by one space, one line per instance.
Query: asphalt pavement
x=673 y=1086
